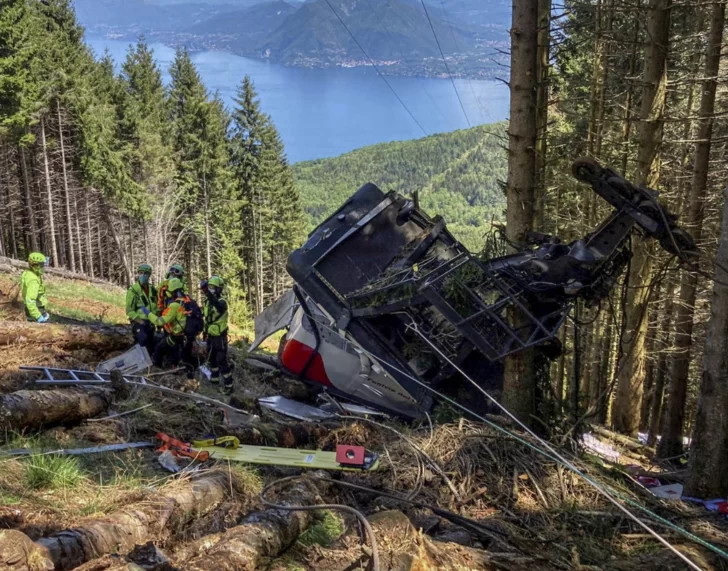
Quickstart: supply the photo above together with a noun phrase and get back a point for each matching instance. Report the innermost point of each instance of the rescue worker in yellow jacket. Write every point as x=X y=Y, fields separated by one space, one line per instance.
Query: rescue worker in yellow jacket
x=33 y=290
x=215 y=332
x=174 y=322
x=142 y=294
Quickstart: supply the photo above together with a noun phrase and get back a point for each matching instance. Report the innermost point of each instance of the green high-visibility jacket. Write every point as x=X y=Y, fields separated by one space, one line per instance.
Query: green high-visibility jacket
x=215 y=312
x=137 y=297
x=34 y=294
x=173 y=318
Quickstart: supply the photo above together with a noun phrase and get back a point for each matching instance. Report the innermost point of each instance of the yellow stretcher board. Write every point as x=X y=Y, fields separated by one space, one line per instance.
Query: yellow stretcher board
x=317 y=459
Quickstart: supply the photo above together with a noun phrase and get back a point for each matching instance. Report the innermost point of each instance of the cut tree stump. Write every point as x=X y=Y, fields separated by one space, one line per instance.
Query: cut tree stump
x=260 y=537
x=136 y=524
x=101 y=338
x=34 y=409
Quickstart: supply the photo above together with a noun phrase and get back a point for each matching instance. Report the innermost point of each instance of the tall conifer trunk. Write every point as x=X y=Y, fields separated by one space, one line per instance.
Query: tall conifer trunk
x=49 y=196
x=519 y=391
x=707 y=474
x=671 y=443
x=66 y=193
x=631 y=369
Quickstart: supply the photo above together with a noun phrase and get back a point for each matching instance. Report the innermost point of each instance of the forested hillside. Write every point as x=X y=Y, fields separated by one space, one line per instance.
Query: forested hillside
x=458 y=175
x=103 y=171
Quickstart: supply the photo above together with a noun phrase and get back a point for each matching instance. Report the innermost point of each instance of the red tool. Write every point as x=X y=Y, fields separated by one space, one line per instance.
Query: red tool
x=179 y=448
x=350 y=455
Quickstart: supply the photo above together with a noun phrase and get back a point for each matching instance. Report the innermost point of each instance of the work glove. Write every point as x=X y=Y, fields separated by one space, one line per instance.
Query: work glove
x=145 y=311
x=43 y=318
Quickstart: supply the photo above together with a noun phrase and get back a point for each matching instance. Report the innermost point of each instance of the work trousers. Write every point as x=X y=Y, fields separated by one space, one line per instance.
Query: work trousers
x=217 y=347
x=177 y=348
x=144 y=335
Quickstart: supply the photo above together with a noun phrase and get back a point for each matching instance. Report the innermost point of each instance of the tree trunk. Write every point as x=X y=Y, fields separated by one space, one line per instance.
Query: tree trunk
x=35 y=409
x=542 y=108
x=17 y=552
x=707 y=474
x=261 y=536
x=49 y=196
x=661 y=367
x=519 y=390
x=89 y=247
x=627 y=123
x=120 y=531
x=298 y=435
x=77 y=237
x=98 y=337
x=69 y=220
x=51 y=271
x=631 y=372
x=29 y=214
x=671 y=443
x=119 y=246
x=208 y=245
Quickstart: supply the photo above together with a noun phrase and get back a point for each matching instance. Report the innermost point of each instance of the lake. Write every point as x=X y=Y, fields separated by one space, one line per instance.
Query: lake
x=326 y=112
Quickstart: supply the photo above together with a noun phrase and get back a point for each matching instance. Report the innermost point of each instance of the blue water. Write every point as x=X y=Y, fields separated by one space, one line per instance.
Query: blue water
x=327 y=112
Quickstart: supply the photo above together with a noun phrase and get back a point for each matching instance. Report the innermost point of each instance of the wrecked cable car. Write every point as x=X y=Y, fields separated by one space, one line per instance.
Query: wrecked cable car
x=388 y=306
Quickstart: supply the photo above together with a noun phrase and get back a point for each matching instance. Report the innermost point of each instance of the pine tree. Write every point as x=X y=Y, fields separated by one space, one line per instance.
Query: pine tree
x=519 y=391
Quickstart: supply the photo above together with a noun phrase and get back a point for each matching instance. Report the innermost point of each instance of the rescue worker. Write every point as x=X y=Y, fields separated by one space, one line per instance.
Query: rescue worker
x=175 y=271
x=215 y=332
x=142 y=294
x=173 y=320
x=33 y=290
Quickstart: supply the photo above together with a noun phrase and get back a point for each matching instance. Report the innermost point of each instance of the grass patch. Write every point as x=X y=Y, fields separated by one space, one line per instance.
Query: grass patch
x=327 y=529
x=247 y=480
x=49 y=471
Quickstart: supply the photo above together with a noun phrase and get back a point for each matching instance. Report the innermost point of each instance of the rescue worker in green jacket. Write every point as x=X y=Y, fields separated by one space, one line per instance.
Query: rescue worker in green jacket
x=142 y=294
x=175 y=271
x=215 y=332
x=173 y=320
x=33 y=290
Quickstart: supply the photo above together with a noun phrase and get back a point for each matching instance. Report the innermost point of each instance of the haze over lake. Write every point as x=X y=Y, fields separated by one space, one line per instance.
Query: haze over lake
x=326 y=112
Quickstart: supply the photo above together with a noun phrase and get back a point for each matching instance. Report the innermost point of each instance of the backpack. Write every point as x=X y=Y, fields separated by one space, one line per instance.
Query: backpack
x=195 y=322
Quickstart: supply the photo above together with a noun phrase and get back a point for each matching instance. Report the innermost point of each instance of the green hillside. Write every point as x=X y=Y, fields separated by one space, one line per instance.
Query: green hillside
x=456 y=173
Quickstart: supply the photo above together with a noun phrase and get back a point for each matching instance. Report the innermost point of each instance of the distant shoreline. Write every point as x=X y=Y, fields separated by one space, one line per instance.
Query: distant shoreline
x=428 y=68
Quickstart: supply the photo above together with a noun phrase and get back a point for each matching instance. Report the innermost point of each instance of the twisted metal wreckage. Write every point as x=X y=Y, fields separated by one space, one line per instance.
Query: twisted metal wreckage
x=388 y=305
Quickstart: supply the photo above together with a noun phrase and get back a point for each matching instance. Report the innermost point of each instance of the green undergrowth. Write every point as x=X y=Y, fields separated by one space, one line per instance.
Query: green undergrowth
x=327 y=528
x=51 y=471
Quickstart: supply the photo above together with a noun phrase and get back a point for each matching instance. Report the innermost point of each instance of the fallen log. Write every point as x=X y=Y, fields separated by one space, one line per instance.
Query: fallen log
x=34 y=409
x=260 y=537
x=120 y=531
x=8 y=264
x=99 y=337
x=626 y=441
x=295 y=435
x=17 y=550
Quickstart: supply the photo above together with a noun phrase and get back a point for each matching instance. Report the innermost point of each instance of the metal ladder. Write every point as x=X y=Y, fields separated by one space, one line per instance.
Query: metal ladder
x=53 y=376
